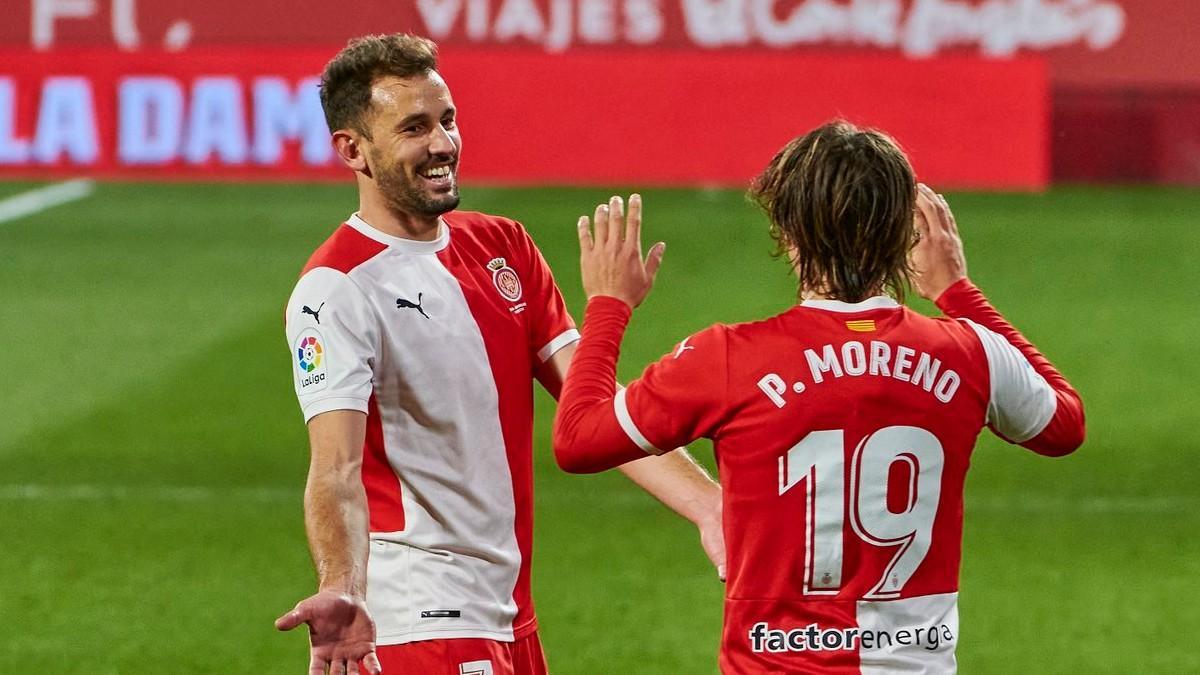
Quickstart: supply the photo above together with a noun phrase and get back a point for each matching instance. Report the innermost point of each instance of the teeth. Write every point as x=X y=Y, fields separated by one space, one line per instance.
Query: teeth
x=437 y=173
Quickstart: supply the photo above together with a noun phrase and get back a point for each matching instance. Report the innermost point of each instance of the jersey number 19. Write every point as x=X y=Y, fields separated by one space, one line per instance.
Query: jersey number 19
x=818 y=461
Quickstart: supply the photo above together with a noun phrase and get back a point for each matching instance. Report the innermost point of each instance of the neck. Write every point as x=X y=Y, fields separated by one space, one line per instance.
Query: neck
x=375 y=210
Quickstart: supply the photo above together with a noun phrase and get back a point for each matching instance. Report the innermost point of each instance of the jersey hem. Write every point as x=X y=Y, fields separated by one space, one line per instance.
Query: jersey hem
x=446 y=634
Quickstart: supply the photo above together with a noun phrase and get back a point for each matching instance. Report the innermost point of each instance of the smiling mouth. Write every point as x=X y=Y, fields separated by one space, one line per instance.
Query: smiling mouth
x=437 y=172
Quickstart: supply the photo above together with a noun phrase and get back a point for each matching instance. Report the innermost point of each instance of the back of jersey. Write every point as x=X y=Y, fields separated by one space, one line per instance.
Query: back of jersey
x=843 y=452
x=843 y=433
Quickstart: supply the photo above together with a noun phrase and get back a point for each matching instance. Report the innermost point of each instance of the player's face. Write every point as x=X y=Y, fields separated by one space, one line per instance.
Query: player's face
x=414 y=144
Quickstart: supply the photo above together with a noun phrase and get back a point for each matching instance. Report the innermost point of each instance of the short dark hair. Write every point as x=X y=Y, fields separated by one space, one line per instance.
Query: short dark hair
x=842 y=199
x=346 y=82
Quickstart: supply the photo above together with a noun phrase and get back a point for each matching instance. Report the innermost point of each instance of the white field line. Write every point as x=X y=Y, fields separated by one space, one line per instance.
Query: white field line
x=36 y=201
x=147 y=493
x=1151 y=505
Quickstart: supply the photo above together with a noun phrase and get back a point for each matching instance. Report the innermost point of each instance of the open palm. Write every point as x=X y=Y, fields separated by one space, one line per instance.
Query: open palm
x=341 y=633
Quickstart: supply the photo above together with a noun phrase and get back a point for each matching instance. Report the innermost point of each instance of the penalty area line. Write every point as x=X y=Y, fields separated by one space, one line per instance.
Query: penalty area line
x=38 y=200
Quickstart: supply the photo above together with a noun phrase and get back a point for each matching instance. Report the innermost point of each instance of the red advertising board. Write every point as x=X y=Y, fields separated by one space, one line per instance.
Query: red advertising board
x=590 y=116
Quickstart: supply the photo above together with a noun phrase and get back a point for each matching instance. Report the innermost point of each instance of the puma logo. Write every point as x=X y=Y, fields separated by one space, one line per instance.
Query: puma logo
x=683 y=347
x=401 y=303
x=316 y=313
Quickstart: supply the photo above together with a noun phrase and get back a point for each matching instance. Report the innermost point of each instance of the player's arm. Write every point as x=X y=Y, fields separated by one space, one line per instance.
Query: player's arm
x=1041 y=412
x=334 y=335
x=588 y=436
x=335 y=519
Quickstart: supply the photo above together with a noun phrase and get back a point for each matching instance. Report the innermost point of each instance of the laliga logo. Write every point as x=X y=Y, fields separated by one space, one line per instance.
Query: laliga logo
x=309 y=355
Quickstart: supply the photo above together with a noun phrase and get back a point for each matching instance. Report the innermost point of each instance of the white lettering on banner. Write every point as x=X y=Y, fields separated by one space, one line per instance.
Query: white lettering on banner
x=1001 y=27
x=439 y=16
x=643 y=21
x=66 y=122
x=519 y=19
x=916 y=28
x=998 y=27
x=159 y=121
x=45 y=12
x=150 y=126
x=13 y=150
x=555 y=28
x=278 y=115
x=217 y=122
x=124 y=24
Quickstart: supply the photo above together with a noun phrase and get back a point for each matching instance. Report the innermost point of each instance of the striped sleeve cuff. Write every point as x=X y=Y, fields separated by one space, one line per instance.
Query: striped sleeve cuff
x=565 y=338
x=631 y=429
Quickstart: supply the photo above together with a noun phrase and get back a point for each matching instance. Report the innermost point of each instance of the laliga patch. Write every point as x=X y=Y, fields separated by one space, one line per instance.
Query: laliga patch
x=506 y=280
x=310 y=358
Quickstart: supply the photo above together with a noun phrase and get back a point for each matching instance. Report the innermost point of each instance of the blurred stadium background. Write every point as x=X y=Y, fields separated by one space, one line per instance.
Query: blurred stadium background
x=164 y=174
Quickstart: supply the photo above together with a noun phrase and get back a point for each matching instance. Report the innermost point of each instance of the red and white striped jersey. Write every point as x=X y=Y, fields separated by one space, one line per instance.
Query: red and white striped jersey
x=843 y=434
x=437 y=342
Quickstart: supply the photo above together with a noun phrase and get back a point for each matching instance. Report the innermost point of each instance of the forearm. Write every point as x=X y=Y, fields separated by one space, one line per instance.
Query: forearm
x=336 y=521
x=682 y=485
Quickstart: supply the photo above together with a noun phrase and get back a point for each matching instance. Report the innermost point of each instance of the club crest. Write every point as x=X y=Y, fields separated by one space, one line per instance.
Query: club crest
x=506 y=280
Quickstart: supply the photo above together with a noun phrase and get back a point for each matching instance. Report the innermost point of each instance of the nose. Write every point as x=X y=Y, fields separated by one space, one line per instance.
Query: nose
x=442 y=142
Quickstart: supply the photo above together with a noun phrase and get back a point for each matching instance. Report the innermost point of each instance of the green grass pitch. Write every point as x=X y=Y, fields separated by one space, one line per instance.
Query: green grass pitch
x=152 y=455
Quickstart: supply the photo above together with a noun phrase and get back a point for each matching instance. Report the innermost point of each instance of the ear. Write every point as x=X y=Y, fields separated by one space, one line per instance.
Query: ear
x=349 y=148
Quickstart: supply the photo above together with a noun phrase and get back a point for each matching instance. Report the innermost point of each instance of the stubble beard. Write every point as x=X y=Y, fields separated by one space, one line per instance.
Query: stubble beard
x=405 y=196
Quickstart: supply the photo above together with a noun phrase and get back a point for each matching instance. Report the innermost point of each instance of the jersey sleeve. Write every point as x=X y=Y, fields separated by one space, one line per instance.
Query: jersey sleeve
x=551 y=327
x=1031 y=403
x=334 y=338
x=1021 y=403
x=681 y=397
x=677 y=400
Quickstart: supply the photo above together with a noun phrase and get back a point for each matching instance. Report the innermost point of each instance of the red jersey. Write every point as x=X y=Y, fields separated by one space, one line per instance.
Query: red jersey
x=437 y=342
x=843 y=434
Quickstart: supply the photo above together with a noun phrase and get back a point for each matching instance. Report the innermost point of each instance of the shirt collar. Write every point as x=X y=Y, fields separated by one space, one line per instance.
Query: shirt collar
x=877 y=302
x=400 y=243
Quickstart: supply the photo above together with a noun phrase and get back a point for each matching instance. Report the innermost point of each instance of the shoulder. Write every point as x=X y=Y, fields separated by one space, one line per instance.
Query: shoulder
x=343 y=251
x=754 y=331
x=483 y=223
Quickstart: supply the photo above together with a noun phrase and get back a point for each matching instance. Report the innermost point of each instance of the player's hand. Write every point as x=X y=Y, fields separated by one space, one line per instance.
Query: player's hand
x=937 y=259
x=341 y=633
x=712 y=538
x=611 y=257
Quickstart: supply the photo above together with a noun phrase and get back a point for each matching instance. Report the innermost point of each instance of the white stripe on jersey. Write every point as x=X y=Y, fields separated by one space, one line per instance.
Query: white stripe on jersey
x=626 y=422
x=1021 y=403
x=909 y=635
x=427 y=365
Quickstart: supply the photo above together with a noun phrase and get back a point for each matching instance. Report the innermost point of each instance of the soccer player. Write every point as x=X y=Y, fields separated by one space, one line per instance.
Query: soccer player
x=416 y=332
x=842 y=427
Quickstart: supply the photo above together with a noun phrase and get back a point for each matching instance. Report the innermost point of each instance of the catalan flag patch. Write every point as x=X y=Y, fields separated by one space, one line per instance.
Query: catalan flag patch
x=862 y=326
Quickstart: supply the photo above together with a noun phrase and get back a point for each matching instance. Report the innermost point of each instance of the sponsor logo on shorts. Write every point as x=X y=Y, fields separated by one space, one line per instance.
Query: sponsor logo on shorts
x=310 y=362
x=475 y=668
x=812 y=638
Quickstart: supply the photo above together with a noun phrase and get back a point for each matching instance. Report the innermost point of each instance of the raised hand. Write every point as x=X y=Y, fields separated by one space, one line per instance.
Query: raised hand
x=937 y=259
x=340 y=631
x=611 y=259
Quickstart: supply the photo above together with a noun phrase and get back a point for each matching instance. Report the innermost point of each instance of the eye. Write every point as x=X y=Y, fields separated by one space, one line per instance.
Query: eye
x=411 y=129
x=449 y=123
